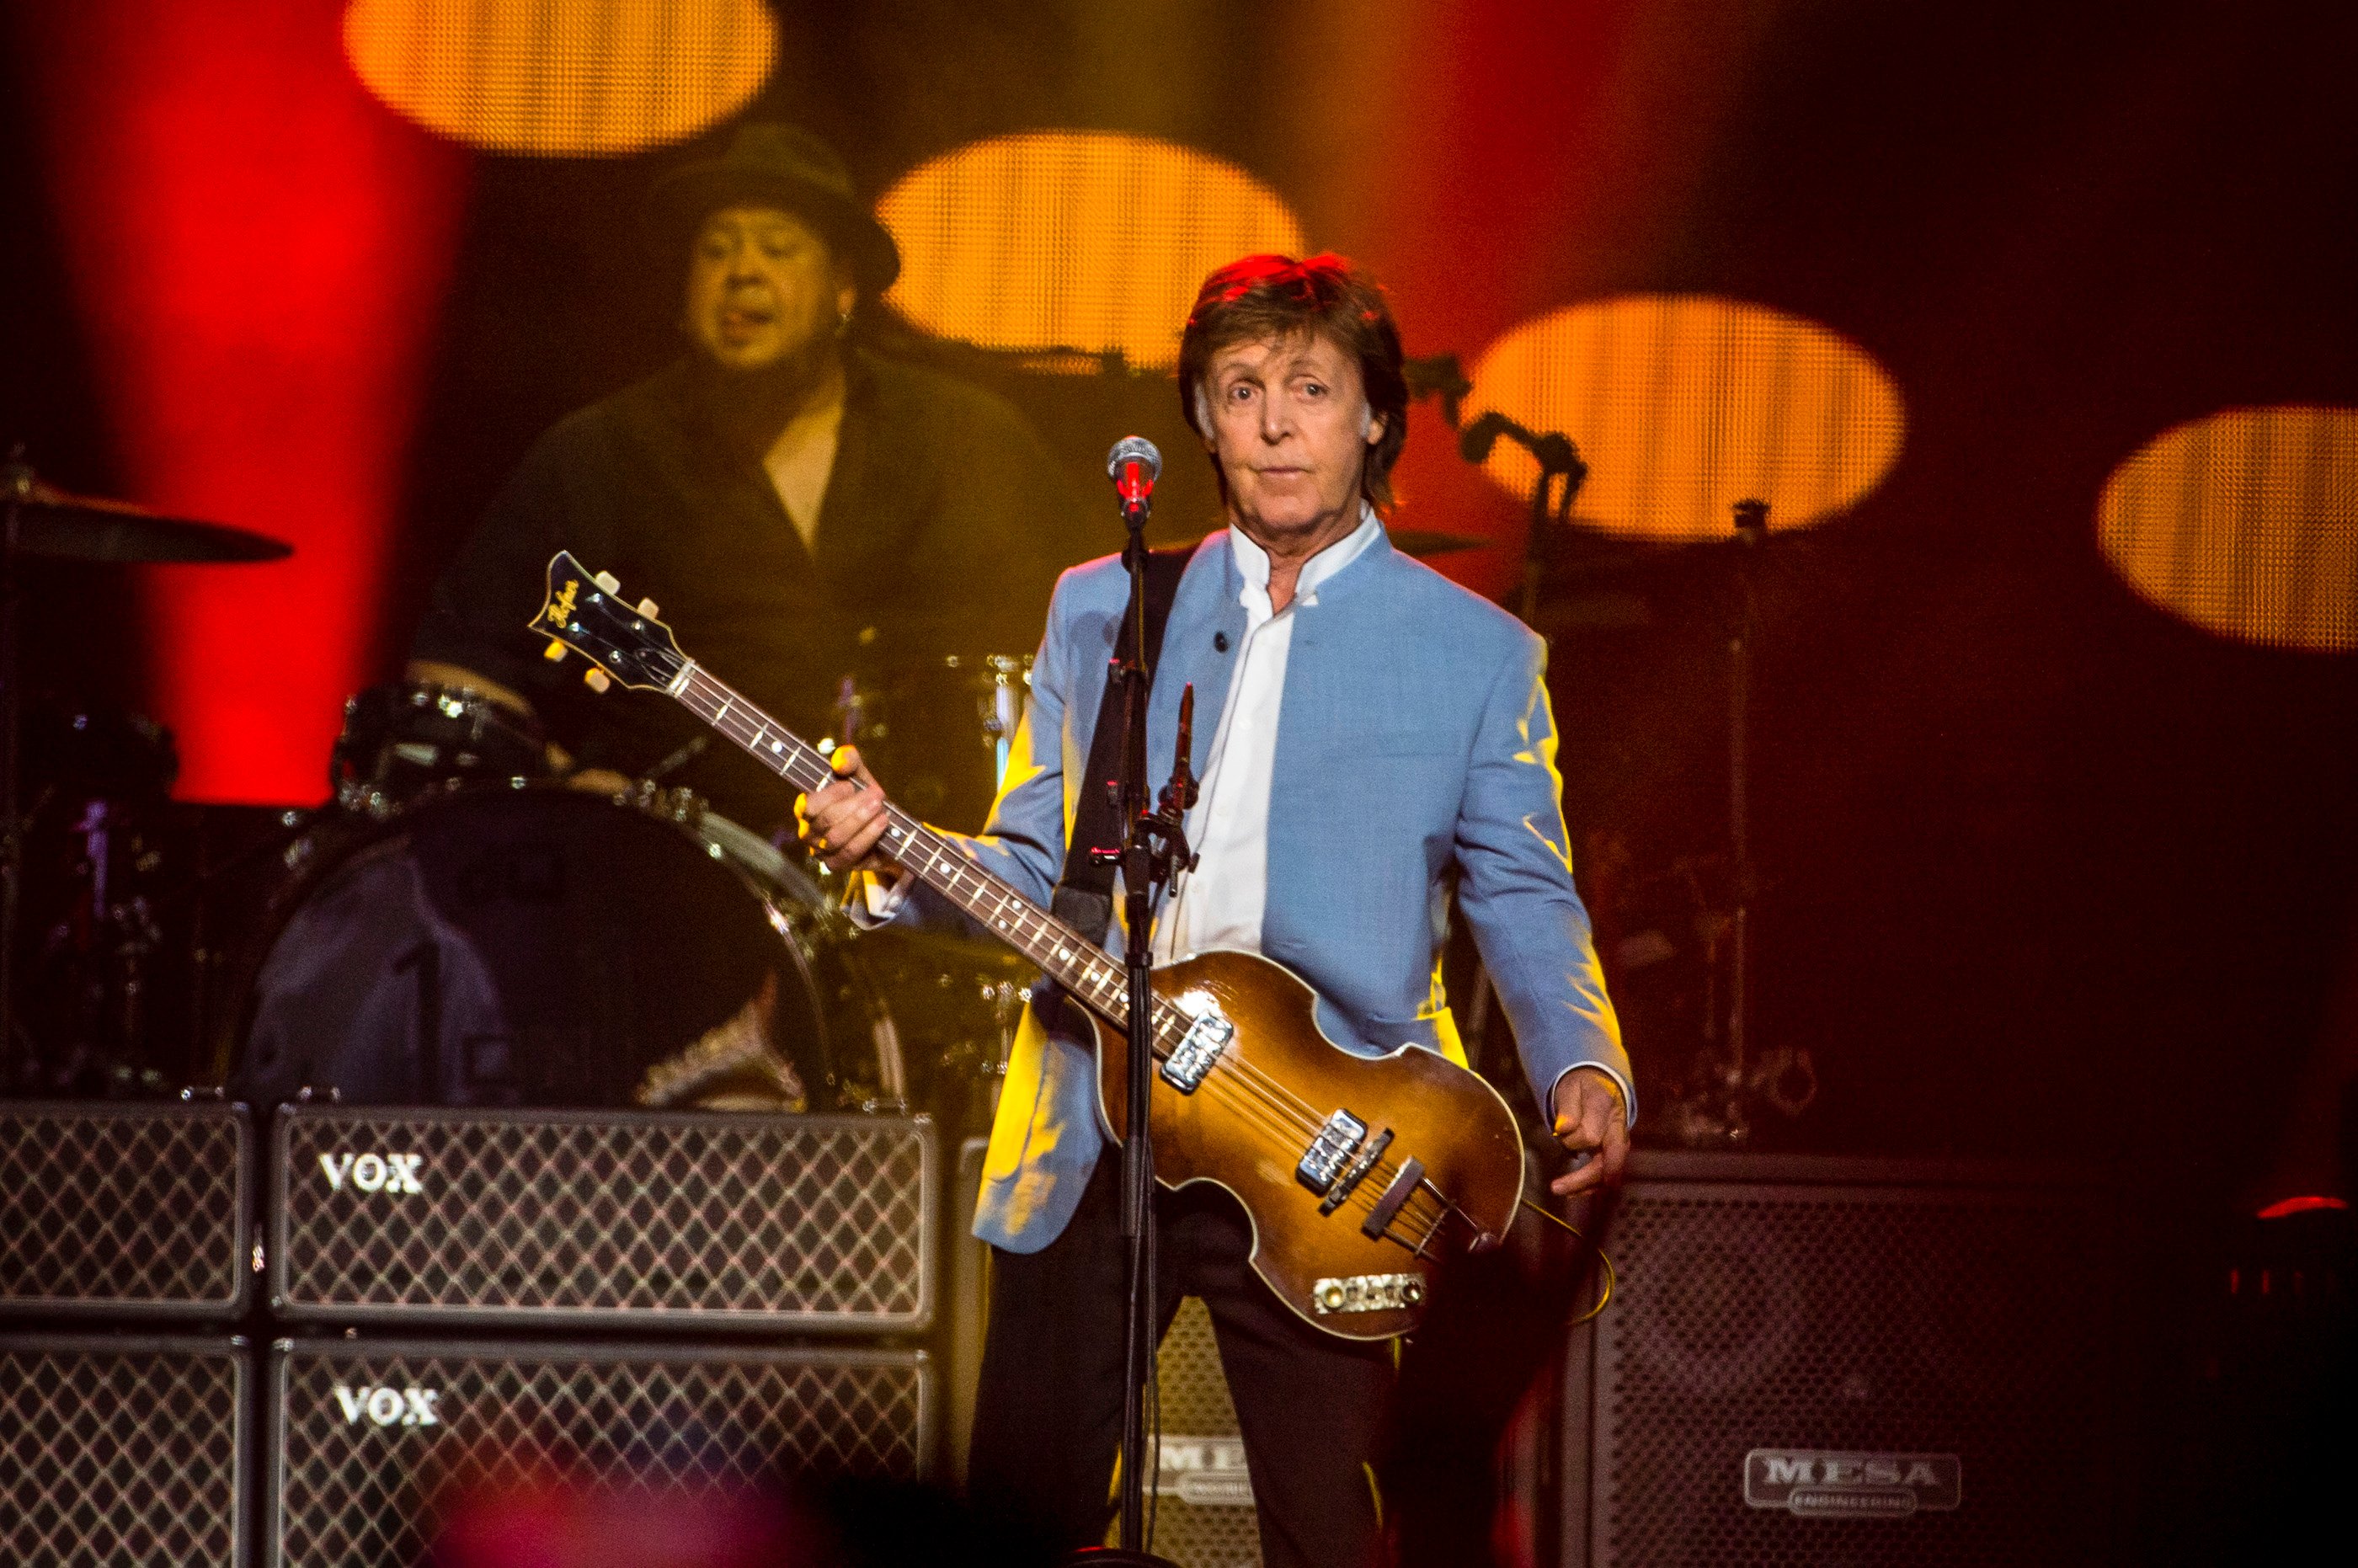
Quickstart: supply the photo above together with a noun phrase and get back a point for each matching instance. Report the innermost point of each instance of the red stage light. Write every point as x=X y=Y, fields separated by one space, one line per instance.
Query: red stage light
x=2301 y=1205
x=258 y=250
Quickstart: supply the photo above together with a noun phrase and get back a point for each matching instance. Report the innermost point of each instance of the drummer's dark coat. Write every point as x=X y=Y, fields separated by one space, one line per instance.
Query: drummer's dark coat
x=942 y=530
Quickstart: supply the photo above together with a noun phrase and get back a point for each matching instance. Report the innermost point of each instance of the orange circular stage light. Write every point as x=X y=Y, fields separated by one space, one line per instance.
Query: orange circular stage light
x=1086 y=242
x=1683 y=404
x=2244 y=522
x=562 y=78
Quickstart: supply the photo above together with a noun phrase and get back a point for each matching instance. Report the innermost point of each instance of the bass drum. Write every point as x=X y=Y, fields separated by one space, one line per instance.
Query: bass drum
x=537 y=946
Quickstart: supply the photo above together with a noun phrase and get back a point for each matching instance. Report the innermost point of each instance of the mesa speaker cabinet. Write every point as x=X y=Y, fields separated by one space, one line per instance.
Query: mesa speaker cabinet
x=1203 y=1501
x=1202 y=1506
x=645 y=1221
x=115 y=1211
x=370 y=1444
x=1843 y=1362
x=120 y=1452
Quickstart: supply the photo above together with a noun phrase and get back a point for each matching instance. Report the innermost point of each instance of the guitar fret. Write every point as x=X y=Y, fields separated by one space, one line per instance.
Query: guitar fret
x=1080 y=966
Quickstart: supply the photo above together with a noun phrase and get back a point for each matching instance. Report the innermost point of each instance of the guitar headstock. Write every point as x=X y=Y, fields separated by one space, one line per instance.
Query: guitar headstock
x=585 y=612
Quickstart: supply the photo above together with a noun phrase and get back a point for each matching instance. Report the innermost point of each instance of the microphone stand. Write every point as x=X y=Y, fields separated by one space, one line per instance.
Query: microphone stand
x=1751 y=531
x=1561 y=474
x=1153 y=845
x=15 y=488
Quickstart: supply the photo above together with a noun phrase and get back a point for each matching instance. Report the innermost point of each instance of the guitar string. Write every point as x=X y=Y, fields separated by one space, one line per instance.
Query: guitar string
x=1009 y=912
x=997 y=906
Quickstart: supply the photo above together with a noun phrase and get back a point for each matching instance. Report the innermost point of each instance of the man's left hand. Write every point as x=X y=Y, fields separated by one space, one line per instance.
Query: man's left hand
x=1589 y=1115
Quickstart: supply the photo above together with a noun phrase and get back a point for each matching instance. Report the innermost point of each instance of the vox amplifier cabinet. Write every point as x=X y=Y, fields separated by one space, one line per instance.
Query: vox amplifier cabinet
x=111 y=1211
x=121 y=1451
x=1827 y=1361
x=1202 y=1506
x=373 y=1443
x=621 y=1220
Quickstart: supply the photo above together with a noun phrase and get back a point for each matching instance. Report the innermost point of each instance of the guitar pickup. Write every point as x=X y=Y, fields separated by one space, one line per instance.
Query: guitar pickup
x=1191 y=1060
x=1324 y=1162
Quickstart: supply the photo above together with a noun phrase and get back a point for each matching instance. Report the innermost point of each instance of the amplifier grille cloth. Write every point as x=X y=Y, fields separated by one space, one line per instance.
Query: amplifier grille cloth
x=118 y=1456
x=356 y=1493
x=1940 y=1322
x=799 y=1219
x=130 y=1209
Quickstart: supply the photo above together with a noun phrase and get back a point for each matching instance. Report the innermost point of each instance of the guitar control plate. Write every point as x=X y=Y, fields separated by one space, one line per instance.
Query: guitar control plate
x=1367 y=1293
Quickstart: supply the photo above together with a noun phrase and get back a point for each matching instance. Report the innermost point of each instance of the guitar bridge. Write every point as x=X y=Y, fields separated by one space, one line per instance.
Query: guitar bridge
x=1324 y=1162
x=1350 y=1179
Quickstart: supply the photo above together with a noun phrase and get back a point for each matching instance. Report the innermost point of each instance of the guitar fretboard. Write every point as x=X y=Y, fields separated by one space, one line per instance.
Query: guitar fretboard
x=1077 y=964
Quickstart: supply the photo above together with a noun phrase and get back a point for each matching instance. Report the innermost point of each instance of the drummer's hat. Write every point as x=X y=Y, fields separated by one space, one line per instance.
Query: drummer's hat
x=782 y=165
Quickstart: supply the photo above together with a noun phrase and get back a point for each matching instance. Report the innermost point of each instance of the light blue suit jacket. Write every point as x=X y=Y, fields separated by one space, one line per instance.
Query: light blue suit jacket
x=1415 y=749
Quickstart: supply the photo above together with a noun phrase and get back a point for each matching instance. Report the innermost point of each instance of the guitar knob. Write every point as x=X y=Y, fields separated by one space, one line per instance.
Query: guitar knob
x=554 y=653
x=609 y=582
x=595 y=679
x=647 y=608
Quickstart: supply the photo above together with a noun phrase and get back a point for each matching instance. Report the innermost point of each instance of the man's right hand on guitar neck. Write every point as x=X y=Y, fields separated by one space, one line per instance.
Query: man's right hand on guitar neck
x=841 y=821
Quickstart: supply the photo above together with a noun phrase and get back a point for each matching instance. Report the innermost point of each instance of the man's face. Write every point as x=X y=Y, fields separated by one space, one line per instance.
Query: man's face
x=764 y=290
x=1287 y=420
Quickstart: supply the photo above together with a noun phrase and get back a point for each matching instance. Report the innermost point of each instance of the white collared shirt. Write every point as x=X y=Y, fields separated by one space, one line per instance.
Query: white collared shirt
x=1219 y=903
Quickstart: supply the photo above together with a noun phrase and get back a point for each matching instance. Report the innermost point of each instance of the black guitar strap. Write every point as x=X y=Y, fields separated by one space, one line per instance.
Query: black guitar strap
x=1083 y=898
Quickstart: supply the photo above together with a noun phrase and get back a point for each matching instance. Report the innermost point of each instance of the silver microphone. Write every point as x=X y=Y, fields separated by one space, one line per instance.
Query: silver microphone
x=1134 y=465
x=1134 y=450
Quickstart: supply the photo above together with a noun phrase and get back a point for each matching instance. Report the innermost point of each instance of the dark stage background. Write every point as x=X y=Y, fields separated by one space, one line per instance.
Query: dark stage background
x=2046 y=871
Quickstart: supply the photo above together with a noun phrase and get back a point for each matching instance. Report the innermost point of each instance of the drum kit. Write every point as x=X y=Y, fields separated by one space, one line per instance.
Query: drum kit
x=457 y=925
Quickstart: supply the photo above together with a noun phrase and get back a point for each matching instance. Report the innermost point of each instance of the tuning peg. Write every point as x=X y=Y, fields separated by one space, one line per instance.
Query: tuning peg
x=595 y=679
x=609 y=582
x=554 y=653
x=647 y=608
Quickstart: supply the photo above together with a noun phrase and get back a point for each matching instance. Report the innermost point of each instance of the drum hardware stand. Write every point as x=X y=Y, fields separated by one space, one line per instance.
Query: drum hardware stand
x=1153 y=846
x=39 y=520
x=17 y=480
x=1561 y=474
x=1716 y=1109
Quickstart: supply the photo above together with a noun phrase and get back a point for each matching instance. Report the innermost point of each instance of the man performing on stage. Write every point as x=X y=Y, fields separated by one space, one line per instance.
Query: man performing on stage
x=798 y=508
x=1378 y=737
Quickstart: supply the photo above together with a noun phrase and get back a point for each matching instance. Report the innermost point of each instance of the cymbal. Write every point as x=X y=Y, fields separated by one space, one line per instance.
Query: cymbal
x=60 y=525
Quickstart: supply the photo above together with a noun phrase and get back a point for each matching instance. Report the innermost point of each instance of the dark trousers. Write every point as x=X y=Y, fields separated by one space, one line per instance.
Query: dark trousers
x=1047 y=1422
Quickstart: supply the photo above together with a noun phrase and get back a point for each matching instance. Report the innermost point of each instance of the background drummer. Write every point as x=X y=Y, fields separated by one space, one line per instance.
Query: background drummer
x=797 y=506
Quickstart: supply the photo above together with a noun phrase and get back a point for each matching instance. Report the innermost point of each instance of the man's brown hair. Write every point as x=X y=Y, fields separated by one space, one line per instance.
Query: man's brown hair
x=1265 y=296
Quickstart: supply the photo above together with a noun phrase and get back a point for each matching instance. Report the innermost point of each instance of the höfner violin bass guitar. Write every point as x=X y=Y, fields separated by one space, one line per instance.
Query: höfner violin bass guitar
x=1359 y=1173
